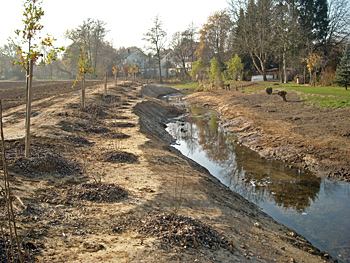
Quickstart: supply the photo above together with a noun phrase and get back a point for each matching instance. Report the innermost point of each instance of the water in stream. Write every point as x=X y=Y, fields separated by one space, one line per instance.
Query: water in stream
x=318 y=209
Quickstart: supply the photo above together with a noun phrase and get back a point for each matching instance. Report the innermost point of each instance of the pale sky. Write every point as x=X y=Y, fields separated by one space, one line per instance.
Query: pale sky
x=127 y=21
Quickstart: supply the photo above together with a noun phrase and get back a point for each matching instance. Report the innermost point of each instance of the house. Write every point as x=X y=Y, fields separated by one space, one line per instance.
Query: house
x=173 y=65
x=134 y=57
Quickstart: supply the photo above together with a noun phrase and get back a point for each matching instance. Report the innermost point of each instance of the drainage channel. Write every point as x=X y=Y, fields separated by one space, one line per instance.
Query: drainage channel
x=317 y=208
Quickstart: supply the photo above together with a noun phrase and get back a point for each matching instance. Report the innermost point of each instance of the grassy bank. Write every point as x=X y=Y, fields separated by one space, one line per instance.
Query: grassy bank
x=323 y=97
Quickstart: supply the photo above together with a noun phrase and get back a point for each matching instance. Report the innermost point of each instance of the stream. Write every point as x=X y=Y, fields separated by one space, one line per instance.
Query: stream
x=317 y=208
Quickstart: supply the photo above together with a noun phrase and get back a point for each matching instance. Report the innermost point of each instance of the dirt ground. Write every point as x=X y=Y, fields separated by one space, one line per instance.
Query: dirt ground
x=103 y=185
x=317 y=139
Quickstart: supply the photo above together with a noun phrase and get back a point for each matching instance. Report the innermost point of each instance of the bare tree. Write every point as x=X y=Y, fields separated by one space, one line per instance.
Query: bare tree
x=191 y=33
x=156 y=37
x=181 y=46
x=91 y=34
x=339 y=21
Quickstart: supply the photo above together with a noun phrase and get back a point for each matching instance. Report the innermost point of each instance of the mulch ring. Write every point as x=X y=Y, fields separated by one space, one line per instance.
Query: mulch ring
x=118 y=157
x=78 y=141
x=98 y=130
x=73 y=126
x=90 y=111
x=93 y=192
x=83 y=127
x=122 y=124
x=109 y=98
x=116 y=135
x=40 y=160
x=175 y=230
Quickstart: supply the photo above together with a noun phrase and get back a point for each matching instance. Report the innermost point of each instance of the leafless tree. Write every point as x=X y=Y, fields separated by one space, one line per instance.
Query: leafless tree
x=156 y=37
x=339 y=21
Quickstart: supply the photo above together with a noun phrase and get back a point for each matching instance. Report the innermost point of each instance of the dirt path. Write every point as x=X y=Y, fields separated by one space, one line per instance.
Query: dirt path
x=102 y=185
x=305 y=136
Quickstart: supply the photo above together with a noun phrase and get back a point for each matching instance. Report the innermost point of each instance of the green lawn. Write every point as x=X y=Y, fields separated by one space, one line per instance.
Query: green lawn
x=324 y=97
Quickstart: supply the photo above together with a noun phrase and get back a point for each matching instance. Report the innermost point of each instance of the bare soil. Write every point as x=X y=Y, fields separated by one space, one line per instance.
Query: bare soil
x=317 y=139
x=103 y=185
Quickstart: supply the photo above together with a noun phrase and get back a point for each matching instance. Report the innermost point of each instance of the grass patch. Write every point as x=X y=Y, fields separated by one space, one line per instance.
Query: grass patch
x=324 y=97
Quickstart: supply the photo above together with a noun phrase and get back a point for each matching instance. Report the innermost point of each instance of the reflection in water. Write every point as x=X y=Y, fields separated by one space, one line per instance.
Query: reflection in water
x=241 y=169
x=318 y=209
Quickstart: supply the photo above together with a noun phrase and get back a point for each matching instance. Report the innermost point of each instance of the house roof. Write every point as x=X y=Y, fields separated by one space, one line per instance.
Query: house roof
x=128 y=53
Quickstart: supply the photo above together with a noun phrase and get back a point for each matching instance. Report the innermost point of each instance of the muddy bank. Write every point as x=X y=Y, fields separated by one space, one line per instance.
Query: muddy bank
x=156 y=91
x=305 y=136
x=154 y=115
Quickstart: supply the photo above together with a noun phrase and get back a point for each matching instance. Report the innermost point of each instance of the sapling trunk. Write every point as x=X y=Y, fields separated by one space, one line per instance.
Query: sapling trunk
x=28 y=108
x=83 y=92
x=106 y=84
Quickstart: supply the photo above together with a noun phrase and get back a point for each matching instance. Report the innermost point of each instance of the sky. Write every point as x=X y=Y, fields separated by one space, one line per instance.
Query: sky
x=127 y=21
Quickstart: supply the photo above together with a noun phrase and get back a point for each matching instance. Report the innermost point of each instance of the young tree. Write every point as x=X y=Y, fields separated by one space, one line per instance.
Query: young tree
x=84 y=67
x=312 y=62
x=235 y=68
x=115 y=73
x=134 y=69
x=156 y=36
x=199 y=71
x=125 y=71
x=32 y=15
x=215 y=73
x=343 y=71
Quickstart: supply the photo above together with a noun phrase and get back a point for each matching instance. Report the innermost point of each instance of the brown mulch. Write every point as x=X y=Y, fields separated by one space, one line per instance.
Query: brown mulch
x=118 y=157
x=93 y=192
x=122 y=124
x=41 y=160
x=78 y=141
x=116 y=135
x=175 y=230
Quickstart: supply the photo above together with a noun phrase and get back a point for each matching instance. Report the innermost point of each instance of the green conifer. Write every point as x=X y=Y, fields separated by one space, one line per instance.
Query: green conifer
x=343 y=70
